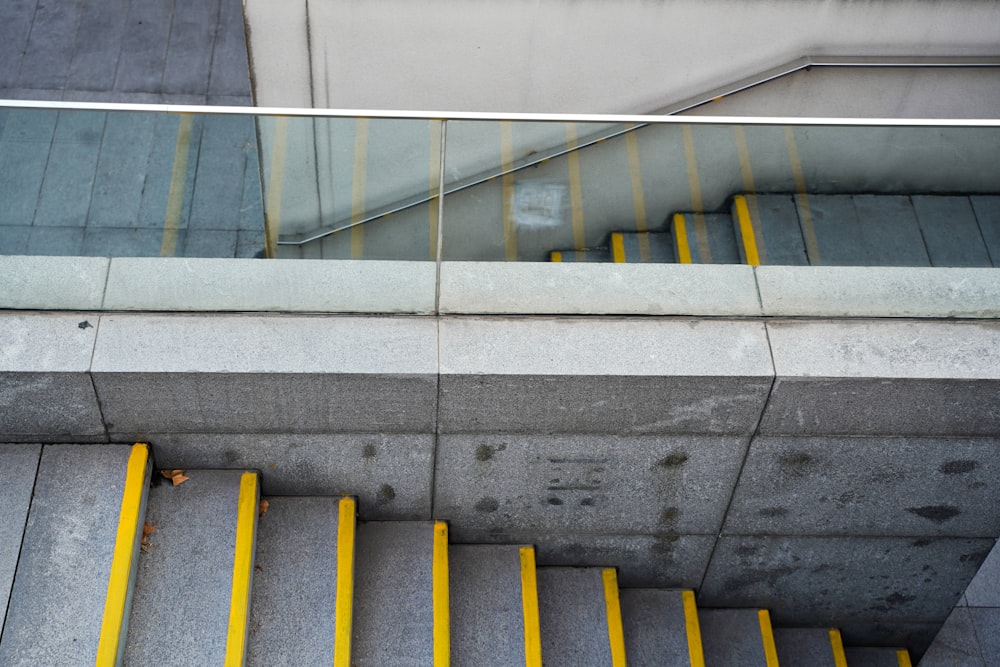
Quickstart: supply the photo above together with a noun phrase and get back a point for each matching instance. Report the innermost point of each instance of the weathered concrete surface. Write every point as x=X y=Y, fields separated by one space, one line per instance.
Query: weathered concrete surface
x=653 y=623
x=18 y=465
x=52 y=283
x=956 y=643
x=804 y=646
x=732 y=637
x=573 y=618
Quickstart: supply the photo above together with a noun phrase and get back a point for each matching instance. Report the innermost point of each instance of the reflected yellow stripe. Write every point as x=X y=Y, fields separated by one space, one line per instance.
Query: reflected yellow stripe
x=617 y=248
x=691 y=160
x=359 y=185
x=529 y=605
x=693 y=629
x=903 y=658
x=239 y=601
x=442 y=611
x=746 y=231
x=616 y=637
x=344 y=603
x=435 y=170
x=506 y=164
x=681 y=238
x=275 y=185
x=175 y=197
x=111 y=644
x=767 y=636
x=743 y=151
x=555 y=256
x=575 y=191
x=837 y=644
x=805 y=213
x=638 y=197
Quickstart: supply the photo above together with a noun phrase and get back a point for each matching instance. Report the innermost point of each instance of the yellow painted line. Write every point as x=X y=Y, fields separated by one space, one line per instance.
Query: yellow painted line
x=175 y=197
x=638 y=197
x=693 y=628
x=746 y=231
x=837 y=644
x=275 y=185
x=344 y=604
x=432 y=191
x=575 y=191
x=805 y=213
x=529 y=604
x=507 y=164
x=617 y=248
x=555 y=256
x=442 y=611
x=616 y=637
x=359 y=186
x=111 y=643
x=767 y=636
x=903 y=658
x=746 y=170
x=697 y=205
x=239 y=602
x=681 y=238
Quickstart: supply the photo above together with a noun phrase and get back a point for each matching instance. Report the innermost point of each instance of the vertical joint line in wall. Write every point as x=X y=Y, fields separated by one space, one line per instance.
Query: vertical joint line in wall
x=24 y=528
x=309 y=58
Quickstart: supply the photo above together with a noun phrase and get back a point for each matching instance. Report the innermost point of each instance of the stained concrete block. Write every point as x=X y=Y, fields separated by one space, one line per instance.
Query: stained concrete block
x=18 y=465
x=390 y=474
x=874 y=377
x=275 y=285
x=824 y=580
x=584 y=289
x=56 y=283
x=956 y=644
x=868 y=486
x=586 y=484
x=601 y=376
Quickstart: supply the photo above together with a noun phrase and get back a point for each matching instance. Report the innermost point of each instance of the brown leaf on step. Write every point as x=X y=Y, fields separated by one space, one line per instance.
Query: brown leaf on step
x=175 y=476
x=147 y=529
x=262 y=508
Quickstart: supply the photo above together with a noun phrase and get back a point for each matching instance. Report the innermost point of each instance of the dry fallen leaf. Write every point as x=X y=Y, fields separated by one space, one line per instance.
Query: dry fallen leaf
x=262 y=508
x=147 y=530
x=175 y=476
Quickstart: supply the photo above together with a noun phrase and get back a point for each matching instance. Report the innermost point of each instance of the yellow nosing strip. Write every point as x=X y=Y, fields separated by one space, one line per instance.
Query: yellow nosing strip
x=616 y=637
x=903 y=658
x=681 y=237
x=175 y=197
x=529 y=604
x=746 y=231
x=693 y=628
x=111 y=643
x=239 y=601
x=344 y=605
x=767 y=637
x=837 y=644
x=555 y=256
x=618 y=248
x=442 y=612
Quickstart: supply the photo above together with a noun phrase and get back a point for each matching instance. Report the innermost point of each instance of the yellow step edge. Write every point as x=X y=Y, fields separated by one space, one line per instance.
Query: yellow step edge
x=616 y=636
x=695 y=651
x=617 y=248
x=111 y=643
x=555 y=256
x=529 y=604
x=239 y=601
x=746 y=231
x=681 y=239
x=442 y=611
x=767 y=637
x=837 y=644
x=903 y=658
x=344 y=604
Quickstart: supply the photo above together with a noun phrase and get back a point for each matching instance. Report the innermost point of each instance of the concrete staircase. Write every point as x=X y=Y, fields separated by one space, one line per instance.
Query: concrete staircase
x=104 y=561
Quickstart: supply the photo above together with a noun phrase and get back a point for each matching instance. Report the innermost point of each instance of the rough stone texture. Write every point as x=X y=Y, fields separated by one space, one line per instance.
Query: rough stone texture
x=868 y=486
x=987 y=624
x=573 y=617
x=587 y=484
x=654 y=627
x=776 y=230
x=731 y=637
x=804 y=647
x=956 y=645
x=183 y=586
x=915 y=637
x=487 y=618
x=52 y=283
x=393 y=611
x=18 y=465
x=295 y=583
x=823 y=580
x=871 y=657
x=389 y=474
x=588 y=289
x=984 y=590
x=69 y=540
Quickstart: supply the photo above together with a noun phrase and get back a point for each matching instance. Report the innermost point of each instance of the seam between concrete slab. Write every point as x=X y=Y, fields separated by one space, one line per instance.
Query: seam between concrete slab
x=24 y=528
x=93 y=385
x=437 y=416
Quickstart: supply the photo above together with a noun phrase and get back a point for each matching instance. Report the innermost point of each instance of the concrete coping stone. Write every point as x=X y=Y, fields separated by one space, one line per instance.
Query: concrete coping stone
x=46 y=342
x=52 y=283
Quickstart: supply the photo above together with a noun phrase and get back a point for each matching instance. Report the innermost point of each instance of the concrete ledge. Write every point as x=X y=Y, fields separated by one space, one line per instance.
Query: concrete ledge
x=184 y=284
x=597 y=289
x=52 y=283
x=818 y=291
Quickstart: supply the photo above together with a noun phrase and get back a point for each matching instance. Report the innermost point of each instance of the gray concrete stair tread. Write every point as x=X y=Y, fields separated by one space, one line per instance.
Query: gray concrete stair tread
x=590 y=255
x=655 y=628
x=777 y=233
x=804 y=647
x=641 y=247
x=181 y=602
x=709 y=238
x=731 y=637
x=295 y=582
x=950 y=230
x=871 y=657
x=987 y=210
x=393 y=591
x=573 y=617
x=57 y=602
x=487 y=618
x=18 y=465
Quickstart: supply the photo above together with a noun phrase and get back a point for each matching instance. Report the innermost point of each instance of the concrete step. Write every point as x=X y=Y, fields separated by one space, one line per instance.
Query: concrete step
x=642 y=247
x=987 y=210
x=192 y=591
x=951 y=231
x=300 y=612
x=877 y=657
x=767 y=230
x=704 y=238
x=580 y=617
x=661 y=628
x=494 y=605
x=590 y=255
x=68 y=604
x=809 y=647
x=401 y=583
x=737 y=637
x=18 y=465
